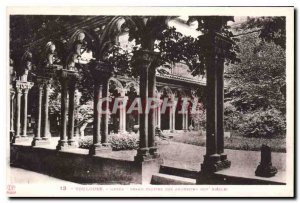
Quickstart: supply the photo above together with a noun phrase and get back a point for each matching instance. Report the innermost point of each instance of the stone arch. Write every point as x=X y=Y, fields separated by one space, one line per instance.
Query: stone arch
x=133 y=84
x=119 y=86
x=167 y=89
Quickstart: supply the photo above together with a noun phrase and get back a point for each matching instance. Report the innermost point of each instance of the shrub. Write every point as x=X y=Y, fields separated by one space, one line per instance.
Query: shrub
x=124 y=141
x=118 y=141
x=85 y=142
x=231 y=117
x=266 y=124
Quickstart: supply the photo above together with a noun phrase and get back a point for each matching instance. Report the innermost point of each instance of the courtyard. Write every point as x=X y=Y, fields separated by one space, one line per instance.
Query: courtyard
x=148 y=100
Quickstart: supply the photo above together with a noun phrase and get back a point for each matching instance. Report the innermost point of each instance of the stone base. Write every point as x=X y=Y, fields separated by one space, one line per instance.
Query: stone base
x=66 y=144
x=147 y=167
x=146 y=154
x=214 y=163
x=153 y=151
x=265 y=170
x=19 y=139
x=142 y=155
x=99 y=148
x=39 y=142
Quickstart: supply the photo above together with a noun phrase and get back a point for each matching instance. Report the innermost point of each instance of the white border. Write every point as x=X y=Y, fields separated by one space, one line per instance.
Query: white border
x=264 y=191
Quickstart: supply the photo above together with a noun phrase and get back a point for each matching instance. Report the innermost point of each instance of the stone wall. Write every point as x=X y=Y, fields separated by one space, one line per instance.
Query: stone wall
x=82 y=168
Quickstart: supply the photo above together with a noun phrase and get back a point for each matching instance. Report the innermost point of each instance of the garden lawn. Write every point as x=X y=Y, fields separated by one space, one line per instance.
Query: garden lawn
x=234 y=142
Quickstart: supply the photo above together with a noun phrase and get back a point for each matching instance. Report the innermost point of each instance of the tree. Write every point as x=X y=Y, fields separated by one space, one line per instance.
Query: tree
x=271 y=29
x=256 y=86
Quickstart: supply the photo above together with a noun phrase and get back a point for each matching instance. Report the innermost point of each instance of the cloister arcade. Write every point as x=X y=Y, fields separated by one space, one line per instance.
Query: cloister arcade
x=107 y=84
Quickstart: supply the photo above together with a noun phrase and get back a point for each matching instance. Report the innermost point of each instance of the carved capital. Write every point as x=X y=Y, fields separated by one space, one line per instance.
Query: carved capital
x=146 y=57
x=21 y=85
x=216 y=44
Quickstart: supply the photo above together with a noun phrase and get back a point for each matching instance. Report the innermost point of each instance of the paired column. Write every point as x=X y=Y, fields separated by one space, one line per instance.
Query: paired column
x=18 y=112
x=101 y=72
x=159 y=112
x=22 y=87
x=68 y=80
x=147 y=83
x=151 y=117
x=172 y=113
x=77 y=102
x=12 y=113
x=123 y=98
x=185 y=116
x=43 y=135
x=37 y=136
x=215 y=159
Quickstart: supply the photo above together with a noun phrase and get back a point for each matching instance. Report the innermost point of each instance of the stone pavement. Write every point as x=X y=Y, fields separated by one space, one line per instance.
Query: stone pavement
x=190 y=157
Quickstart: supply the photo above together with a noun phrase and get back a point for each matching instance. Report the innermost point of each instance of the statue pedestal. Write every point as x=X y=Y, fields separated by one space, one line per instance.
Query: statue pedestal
x=97 y=149
x=40 y=142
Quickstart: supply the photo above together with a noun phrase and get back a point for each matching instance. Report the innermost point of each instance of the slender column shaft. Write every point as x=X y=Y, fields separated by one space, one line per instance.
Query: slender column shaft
x=159 y=115
x=25 y=97
x=46 y=112
x=170 y=118
x=174 y=120
x=143 y=116
x=64 y=106
x=183 y=121
x=71 y=113
x=220 y=109
x=122 y=124
x=97 y=113
x=211 y=116
x=104 y=122
x=18 y=112
x=12 y=95
x=187 y=120
x=39 y=121
x=151 y=116
x=77 y=102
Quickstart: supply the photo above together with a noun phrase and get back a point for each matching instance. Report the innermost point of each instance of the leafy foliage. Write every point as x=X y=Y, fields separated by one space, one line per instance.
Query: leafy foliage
x=255 y=99
x=117 y=141
x=272 y=29
x=265 y=124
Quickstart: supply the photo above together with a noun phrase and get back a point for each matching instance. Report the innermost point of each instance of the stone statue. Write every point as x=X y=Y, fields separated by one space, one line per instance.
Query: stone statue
x=77 y=49
x=12 y=72
x=50 y=54
x=26 y=65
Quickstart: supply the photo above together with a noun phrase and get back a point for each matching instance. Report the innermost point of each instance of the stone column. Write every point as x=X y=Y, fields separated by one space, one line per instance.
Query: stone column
x=214 y=127
x=77 y=102
x=172 y=114
x=104 y=118
x=122 y=128
x=37 y=136
x=220 y=112
x=46 y=131
x=212 y=158
x=25 y=107
x=97 y=113
x=70 y=129
x=151 y=117
x=63 y=142
x=12 y=113
x=186 y=120
x=183 y=121
x=158 y=112
x=18 y=111
x=101 y=73
x=25 y=87
x=145 y=59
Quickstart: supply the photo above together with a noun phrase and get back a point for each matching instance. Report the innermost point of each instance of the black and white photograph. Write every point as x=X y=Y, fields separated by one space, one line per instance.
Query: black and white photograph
x=160 y=102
